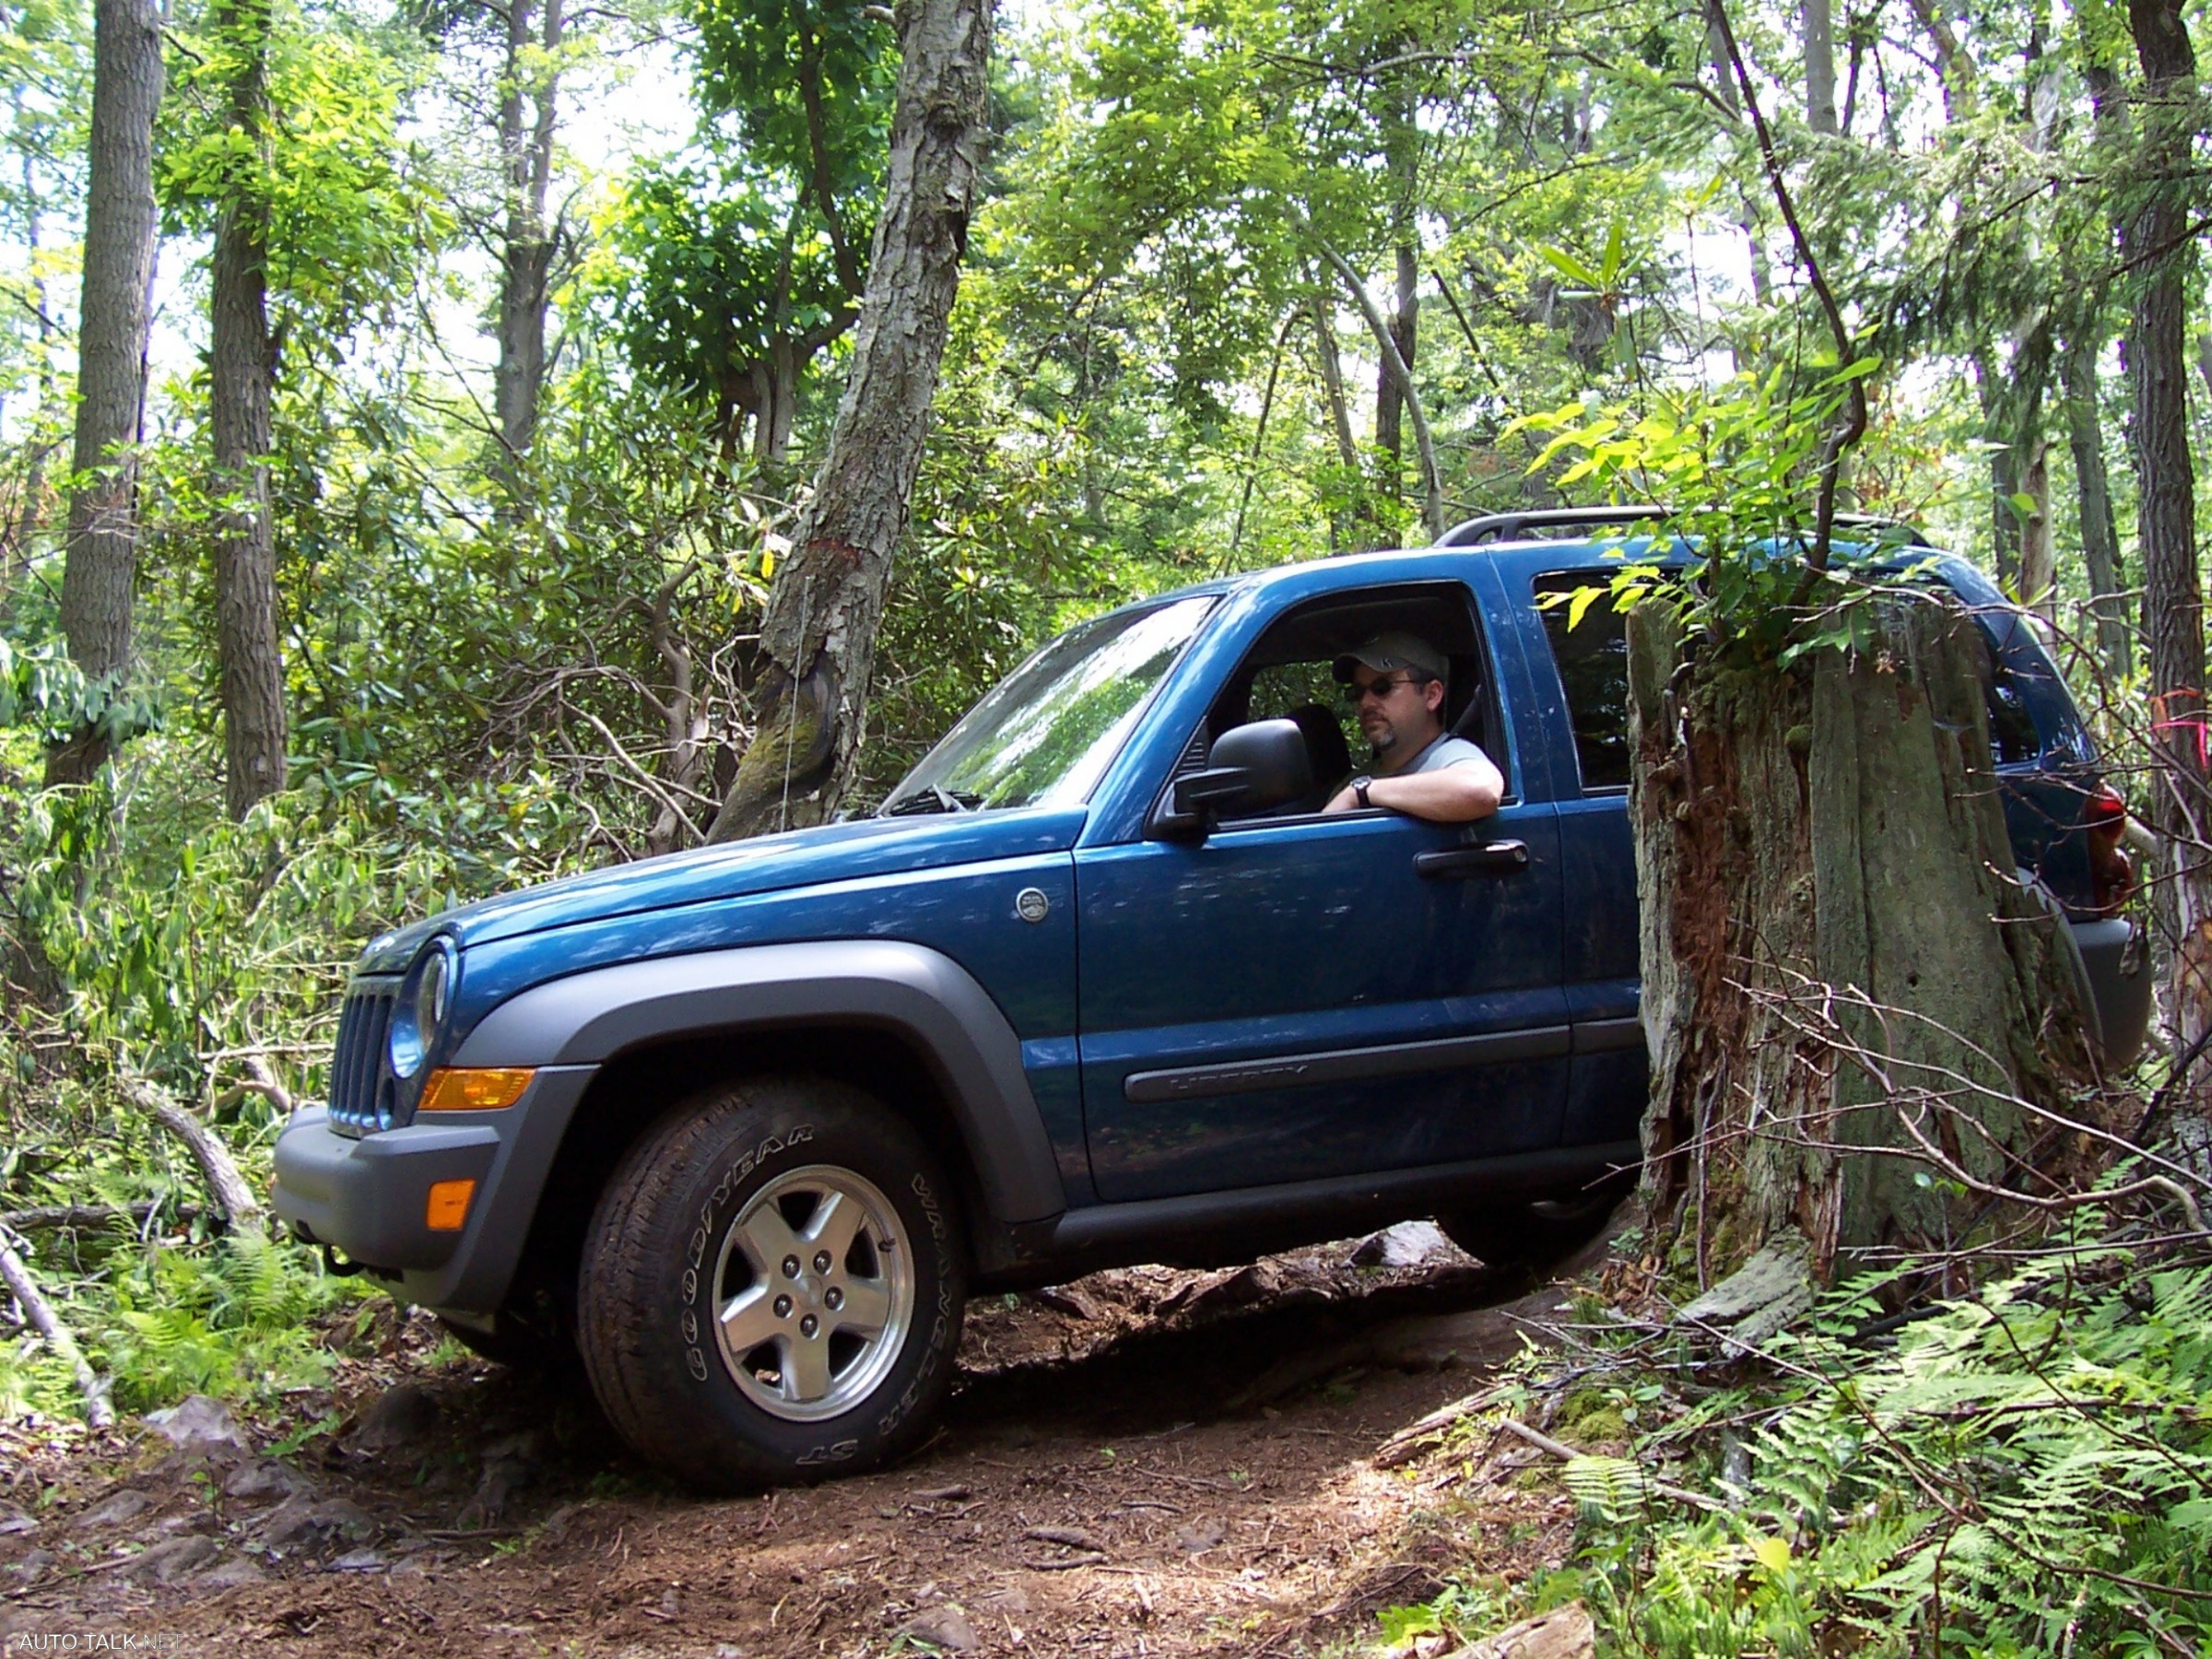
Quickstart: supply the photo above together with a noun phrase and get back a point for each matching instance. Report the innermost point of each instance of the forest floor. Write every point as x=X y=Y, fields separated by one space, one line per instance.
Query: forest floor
x=1149 y=1462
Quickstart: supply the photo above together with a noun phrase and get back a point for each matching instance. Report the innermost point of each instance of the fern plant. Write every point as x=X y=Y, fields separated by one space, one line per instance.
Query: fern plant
x=2029 y=1471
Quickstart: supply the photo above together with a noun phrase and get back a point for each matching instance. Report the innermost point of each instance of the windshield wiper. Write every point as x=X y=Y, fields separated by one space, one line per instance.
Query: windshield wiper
x=930 y=799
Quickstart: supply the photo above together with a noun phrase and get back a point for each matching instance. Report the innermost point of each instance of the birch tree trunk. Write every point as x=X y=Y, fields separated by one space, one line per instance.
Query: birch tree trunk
x=241 y=367
x=819 y=634
x=102 y=560
x=2159 y=236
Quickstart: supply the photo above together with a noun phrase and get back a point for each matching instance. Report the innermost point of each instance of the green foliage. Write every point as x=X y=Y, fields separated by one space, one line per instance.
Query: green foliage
x=2025 y=1469
x=809 y=81
x=1731 y=473
x=349 y=215
x=711 y=262
x=40 y=688
x=229 y=1321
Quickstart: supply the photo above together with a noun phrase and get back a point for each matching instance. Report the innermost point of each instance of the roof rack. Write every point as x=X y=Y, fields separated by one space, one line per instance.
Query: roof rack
x=1571 y=524
x=1543 y=524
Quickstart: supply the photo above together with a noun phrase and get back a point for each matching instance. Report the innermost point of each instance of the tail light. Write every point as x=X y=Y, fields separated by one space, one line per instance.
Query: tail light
x=2112 y=872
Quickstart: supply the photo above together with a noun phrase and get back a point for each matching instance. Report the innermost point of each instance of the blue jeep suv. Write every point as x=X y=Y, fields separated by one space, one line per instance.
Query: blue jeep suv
x=1099 y=984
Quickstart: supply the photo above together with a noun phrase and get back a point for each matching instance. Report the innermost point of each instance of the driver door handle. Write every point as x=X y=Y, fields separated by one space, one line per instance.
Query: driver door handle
x=1465 y=863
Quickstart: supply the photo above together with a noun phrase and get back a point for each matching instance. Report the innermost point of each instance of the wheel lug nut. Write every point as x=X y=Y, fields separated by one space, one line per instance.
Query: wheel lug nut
x=808 y=1325
x=836 y=1298
x=782 y=1307
x=821 y=1261
x=790 y=1266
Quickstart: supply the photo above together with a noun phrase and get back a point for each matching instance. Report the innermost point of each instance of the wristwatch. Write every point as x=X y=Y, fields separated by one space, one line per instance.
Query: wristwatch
x=1360 y=790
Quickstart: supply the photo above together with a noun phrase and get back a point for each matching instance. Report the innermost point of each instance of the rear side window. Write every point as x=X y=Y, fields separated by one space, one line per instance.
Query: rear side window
x=2012 y=737
x=1592 y=659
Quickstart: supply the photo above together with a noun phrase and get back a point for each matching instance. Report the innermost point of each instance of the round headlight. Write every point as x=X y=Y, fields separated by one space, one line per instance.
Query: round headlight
x=422 y=1009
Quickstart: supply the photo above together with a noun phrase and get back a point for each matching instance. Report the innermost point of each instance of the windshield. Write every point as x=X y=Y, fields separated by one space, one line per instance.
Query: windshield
x=1045 y=735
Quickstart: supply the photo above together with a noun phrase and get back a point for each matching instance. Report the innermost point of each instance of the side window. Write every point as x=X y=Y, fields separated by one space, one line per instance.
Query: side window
x=2012 y=735
x=1593 y=660
x=1287 y=674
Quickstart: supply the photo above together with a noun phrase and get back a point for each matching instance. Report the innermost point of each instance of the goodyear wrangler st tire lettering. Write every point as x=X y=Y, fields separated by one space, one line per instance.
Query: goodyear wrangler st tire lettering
x=772 y=1285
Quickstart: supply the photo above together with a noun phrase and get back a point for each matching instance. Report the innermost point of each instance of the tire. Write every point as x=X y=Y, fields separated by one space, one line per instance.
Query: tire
x=824 y=1231
x=1531 y=1237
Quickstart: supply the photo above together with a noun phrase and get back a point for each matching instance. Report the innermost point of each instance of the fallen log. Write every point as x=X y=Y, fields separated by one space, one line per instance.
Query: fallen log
x=24 y=1287
x=46 y=1216
x=232 y=1195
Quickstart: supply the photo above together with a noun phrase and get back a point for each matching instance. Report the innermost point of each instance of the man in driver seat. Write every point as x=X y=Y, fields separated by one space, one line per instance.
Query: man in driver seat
x=1396 y=682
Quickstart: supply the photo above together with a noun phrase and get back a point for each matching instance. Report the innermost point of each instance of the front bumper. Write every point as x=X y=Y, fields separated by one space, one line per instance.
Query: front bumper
x=366 y=1198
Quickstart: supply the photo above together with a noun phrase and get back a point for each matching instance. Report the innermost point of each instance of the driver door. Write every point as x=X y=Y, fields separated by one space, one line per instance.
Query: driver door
x=1312 y=996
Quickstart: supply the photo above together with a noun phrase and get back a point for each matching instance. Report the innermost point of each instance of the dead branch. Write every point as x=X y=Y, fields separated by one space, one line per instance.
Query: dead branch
x=1566 y=1454
x=46 y=1216
x=226 y=1185
x=24 y=1287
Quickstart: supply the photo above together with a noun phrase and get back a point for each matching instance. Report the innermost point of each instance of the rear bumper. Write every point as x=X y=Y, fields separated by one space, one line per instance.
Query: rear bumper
x=2117 y=959
x=367 y=1197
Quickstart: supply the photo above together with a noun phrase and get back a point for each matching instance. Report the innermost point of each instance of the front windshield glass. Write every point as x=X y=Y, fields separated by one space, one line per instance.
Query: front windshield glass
x=1046 y=734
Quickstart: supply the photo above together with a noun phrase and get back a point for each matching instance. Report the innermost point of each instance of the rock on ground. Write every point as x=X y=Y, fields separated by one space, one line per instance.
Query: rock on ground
x=1562 y=1633
x=1408 y=1244
x=198 y=1421
x=403 y=1415
x=945 y=1627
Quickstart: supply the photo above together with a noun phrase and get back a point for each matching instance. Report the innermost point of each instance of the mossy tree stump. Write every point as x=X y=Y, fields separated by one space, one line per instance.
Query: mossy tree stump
x=1836 y=952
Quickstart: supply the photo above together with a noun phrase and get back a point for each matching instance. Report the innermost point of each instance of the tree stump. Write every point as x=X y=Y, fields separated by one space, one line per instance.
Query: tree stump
x=1839 y=961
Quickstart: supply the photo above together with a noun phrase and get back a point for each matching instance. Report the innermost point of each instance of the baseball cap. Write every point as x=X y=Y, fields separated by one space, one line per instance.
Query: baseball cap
x=1389 y=653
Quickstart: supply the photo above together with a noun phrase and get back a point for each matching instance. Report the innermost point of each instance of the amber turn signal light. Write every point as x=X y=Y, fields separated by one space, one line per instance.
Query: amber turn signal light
x=475 y=1087
x=448 y=1208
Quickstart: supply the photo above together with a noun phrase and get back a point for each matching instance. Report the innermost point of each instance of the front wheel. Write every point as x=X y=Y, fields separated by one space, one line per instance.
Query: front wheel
x=773 y=1285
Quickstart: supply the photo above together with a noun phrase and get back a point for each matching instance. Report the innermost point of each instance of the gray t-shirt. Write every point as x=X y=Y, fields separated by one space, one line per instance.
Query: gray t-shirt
x=1443 y=751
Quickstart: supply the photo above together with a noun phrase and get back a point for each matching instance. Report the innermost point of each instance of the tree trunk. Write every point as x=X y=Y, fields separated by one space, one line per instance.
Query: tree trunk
x=1819 y=67
x=1832 y=956
x=1401 y=141
x=2100 y=538
x=240 y=366
x=1432 y=488
x=1389 y=402
x=2039 y=553
x=1350 y=526
x=102 y=560
x=2159 y=236
x=526 y=261
x=820 y=634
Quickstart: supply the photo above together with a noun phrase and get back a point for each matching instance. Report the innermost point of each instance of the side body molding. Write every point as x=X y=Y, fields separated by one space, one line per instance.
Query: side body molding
x=922 y=994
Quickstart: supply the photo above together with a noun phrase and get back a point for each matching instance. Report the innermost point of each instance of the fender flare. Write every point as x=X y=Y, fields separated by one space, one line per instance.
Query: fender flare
x=922 y=994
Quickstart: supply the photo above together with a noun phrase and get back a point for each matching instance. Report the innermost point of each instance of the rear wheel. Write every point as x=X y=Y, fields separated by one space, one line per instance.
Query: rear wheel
x=1533 y=1237
x=773 y=1285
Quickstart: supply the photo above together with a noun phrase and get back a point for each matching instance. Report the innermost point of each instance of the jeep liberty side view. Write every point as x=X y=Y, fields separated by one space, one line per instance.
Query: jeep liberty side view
x=1100 y=984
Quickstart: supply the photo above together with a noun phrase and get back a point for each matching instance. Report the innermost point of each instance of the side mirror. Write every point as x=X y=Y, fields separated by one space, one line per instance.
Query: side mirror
x=1250 y=769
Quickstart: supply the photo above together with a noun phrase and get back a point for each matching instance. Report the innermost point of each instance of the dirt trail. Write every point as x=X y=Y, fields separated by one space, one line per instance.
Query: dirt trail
x=1150 y=1462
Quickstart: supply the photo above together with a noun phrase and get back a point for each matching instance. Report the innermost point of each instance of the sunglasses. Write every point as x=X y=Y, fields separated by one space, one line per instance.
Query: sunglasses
x=1380 y=687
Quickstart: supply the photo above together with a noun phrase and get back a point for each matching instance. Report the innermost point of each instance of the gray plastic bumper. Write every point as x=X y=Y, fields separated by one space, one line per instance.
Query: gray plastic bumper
x=2118 y=963
x=366 y=1198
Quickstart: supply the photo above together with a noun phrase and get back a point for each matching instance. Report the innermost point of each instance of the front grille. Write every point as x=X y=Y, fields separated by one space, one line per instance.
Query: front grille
x=362 y=1088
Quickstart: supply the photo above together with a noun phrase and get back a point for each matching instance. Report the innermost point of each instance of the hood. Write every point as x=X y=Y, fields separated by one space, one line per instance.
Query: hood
x=799 y=858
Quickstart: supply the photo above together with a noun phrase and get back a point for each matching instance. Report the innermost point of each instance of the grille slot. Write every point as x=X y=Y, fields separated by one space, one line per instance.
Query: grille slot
x=360 y=1081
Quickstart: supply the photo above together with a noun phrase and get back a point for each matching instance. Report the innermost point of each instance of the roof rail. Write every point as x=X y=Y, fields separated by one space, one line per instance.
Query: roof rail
x=1543 y=524
x=1571 y=524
